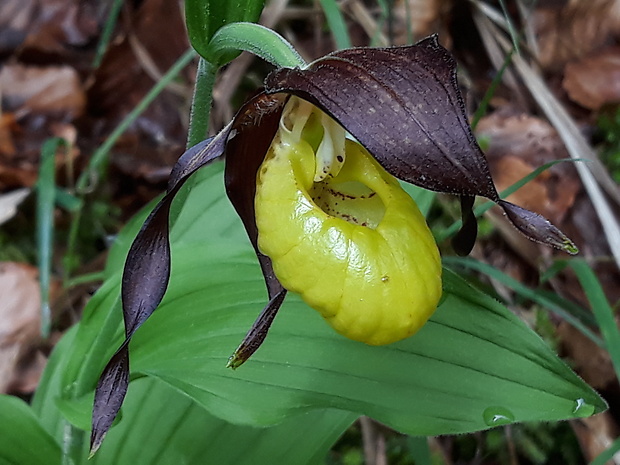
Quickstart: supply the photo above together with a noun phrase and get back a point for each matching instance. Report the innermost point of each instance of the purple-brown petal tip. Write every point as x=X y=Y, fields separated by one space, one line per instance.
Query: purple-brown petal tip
x=109 y=394
x=537 y=228
x=257 y=333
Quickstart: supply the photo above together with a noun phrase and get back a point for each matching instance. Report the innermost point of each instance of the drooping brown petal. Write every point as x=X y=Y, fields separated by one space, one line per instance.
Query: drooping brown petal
x=257 y=333
x=144 y=283
x=197 y=156
x=404 y=105
x=254 y=127
x=109 y=395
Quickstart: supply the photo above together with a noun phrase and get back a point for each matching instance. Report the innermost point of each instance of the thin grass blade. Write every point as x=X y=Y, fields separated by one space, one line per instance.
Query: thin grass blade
x=46 y=194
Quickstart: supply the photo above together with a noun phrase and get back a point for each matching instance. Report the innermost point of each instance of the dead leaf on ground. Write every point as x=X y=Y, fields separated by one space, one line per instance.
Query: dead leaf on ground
x=588 y=359
x=19 y=170
x=33 y=89
x=585 y=228
x=425 y=17
x=596 y=434
x=594 y=81
x=15 y=17
x=19 y=317
x=20 y=167
x=55 y=30
x=127 y=73
x=569 y=30
x=517 y=145
x=9 y=203
x=7 y=125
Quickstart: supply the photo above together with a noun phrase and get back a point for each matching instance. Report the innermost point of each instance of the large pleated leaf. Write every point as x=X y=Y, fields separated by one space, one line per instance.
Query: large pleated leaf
x=23 y=441
x=160 y=426
x=473 y=366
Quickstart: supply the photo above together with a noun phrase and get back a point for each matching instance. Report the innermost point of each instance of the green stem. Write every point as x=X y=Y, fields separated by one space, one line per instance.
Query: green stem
x=263 y=42
x=201 y=102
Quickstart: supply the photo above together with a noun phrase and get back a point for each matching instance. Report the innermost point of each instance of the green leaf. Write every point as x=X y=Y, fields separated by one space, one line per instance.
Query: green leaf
x=603 y=312
x=182 y=430
x=50 y=388
x=23 y=440
x=254 y=38
x=100 y=328
x=177 y=430
x=337 y=24
x=423 y=197
x=473 y=366
x=547 y=300
x=205 y=17
x=186 y=433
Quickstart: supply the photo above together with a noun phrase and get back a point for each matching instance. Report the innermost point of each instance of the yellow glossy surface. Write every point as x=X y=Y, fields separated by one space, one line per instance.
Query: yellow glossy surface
x=361 y=253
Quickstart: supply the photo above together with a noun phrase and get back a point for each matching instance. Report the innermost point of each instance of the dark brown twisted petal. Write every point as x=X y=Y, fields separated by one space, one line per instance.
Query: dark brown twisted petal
x=254 y=127
x=145 y=279
x=404 y=105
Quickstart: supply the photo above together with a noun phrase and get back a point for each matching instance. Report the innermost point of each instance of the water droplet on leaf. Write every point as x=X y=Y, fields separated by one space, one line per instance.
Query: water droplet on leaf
x=582 y=408
x=496 y=416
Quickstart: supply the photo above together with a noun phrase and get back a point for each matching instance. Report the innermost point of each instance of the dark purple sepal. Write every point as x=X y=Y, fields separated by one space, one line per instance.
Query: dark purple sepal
x=404 y=105
x=147 y=268
x=537 y=228
x=253 y=130
x=198 y=156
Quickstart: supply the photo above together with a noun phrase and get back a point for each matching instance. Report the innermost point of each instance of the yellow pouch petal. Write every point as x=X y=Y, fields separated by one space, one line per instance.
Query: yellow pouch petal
x=354 y=246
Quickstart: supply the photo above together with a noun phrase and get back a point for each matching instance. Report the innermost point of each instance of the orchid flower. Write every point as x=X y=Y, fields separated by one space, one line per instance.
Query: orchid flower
x=311 y=168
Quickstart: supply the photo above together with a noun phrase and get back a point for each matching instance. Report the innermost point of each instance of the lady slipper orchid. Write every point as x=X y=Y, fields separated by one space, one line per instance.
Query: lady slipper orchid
x=311 y=163
x=340 y=231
